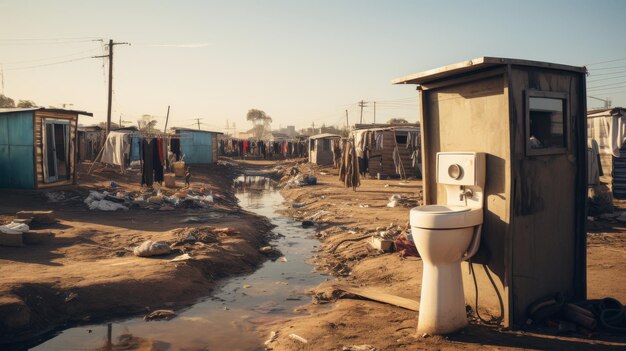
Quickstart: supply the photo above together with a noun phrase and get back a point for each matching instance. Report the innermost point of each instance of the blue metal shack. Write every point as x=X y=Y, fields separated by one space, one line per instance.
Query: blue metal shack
x=198 y=146
x=38 y=147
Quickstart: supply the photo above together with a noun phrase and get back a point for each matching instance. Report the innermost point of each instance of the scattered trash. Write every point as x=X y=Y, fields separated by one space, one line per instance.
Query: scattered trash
x=308 y=223
x=364 y=347
x=106 y=205
x=114 y=184
x=405 y=246
x=71 y=297
x=297 y=205
x=298 y=338
x=14 y=228
x=151 y=248
x=54 y=196
x=283 y=259
x=247 y=286
x=397 y=199
x=364 y=206
x=159 y=315
x=273 y=336
x=183 y=257
x=621 y=217
x=266 y=249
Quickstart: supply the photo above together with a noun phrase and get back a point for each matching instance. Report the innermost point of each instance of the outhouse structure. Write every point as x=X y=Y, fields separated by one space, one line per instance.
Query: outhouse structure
x=530 y=119
x=320 y=148
x=38 y=147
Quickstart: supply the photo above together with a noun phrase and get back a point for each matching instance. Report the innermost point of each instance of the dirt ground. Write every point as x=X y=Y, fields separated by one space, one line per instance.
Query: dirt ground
x=88 y=273
x=343 y=214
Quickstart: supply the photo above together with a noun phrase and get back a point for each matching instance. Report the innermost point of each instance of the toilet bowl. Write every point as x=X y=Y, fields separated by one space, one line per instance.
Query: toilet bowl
x=445 y=235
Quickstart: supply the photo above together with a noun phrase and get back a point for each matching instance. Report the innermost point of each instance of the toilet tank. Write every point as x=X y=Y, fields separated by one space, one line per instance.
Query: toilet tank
x=461 y=168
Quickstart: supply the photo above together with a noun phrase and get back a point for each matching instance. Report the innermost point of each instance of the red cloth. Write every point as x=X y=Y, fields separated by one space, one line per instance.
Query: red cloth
x=405 y=247
x=160 y=145
x=245 y=146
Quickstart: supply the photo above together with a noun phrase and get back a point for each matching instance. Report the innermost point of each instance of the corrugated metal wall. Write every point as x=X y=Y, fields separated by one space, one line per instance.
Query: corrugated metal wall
x=16 y=150
x=197 y=147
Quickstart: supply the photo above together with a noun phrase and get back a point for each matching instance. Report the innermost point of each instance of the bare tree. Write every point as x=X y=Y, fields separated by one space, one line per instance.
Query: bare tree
x=26 y=103
x=261 y=123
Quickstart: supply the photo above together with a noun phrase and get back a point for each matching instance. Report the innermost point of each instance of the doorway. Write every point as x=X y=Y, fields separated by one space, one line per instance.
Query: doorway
x=57 y=159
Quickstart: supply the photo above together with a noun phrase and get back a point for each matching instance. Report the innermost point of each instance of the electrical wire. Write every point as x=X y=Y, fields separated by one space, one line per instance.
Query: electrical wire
x=48 y=58
x=605 y=85
x=606 y=74
x=603 y=79
x=599 y=63
x=605 y=68
x=49 y=64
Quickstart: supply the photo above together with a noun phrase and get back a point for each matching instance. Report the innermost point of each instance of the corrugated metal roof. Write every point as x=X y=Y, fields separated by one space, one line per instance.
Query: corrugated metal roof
x=615 y=111
x=58 y=110
x=195 y=130
x=478 y=64
x=324 y=135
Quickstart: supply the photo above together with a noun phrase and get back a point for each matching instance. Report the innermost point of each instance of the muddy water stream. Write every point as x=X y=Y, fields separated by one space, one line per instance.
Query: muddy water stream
x=229 y=317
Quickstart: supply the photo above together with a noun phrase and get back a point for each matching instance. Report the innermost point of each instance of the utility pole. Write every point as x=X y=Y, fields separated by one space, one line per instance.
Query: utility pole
x=167 y=118
x=607 y=102
x=374 y=112
x=110 y=56
x=362 y=104
x=198 y=120
x=347 y=123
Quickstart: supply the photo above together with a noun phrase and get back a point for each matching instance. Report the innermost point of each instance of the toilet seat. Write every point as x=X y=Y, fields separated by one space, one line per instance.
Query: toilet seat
x=445 y=216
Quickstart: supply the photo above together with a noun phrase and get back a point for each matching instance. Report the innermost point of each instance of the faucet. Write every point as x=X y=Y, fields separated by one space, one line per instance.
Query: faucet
x=465 y=193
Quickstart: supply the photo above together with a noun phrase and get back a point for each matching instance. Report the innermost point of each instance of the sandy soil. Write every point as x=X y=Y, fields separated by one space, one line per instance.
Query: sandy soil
x=86 y=273
x=342 y=214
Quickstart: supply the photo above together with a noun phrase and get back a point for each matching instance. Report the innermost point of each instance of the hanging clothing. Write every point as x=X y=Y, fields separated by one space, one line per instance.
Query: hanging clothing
x=147 y=169
x=349 y=168
x=157 y=163
x=113 y=151
x=175 y=147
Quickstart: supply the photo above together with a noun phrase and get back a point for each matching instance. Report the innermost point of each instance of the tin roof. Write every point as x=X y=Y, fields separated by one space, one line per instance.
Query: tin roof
x=58 y=110
x=195 y=130
x=478 y=64
x=324 y=135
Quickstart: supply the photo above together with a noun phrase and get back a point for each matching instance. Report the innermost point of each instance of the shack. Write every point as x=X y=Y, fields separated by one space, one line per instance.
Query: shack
x=321 y=148
x=529 y=118
x=195 y=146
x=90 y=142
x=391 y=150
x=38 y=147
x=607 y=127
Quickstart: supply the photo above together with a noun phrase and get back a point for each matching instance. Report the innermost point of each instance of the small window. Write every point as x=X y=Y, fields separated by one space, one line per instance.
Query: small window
x=401 y=139
x=546 y=123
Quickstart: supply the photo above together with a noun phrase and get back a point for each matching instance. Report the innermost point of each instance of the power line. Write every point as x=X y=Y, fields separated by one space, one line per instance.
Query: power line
x=49 y=64
x=48 y=58
x=605 y=85
x=605 y=68
x=597 y=91
x=598 y=63
x=606 y=74
x=603 y=79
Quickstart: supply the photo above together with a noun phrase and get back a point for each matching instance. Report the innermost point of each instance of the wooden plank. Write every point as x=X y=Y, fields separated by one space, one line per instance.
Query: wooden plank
x=380 y=296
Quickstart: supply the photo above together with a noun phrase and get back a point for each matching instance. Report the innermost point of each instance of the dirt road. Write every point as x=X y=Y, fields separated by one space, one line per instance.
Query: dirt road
x=87 y=272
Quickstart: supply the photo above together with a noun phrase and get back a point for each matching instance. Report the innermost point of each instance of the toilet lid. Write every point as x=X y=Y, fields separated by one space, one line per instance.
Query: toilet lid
x=445 y=216
x=441 y=209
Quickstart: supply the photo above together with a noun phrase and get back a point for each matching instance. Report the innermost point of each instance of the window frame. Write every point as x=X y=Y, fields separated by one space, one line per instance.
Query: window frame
x=530 y=93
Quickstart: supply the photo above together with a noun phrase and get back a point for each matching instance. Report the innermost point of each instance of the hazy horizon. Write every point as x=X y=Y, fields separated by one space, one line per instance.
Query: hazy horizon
x=300 y=62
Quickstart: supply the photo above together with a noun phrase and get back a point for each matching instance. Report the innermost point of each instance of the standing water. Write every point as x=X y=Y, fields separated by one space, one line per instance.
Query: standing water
x=228 y=319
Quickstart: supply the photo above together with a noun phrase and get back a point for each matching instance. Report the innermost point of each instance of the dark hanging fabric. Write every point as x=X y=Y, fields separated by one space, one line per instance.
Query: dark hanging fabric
x=175 y=147
x=157 y=165
x=147 y=167
x=160 y=147
x=349 y=168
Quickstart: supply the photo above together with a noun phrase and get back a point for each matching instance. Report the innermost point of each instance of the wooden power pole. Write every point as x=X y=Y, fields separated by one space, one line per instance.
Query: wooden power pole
x=110 y=56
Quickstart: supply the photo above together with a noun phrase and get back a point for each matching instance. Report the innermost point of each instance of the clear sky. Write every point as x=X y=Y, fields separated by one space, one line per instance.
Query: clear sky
x=299 y=61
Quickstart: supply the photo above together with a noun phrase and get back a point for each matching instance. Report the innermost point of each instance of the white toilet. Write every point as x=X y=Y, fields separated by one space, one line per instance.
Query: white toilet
x=445 y=235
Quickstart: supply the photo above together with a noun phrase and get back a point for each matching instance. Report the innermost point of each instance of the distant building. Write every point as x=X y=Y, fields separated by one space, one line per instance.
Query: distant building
x=197 y=146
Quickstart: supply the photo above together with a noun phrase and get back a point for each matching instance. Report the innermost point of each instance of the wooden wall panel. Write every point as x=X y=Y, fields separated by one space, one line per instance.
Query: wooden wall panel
x=473 y=116
x=38 y=143
x=544 y=205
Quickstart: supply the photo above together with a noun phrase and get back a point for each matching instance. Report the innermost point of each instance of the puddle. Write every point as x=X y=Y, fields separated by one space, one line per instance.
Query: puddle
x=228 y=319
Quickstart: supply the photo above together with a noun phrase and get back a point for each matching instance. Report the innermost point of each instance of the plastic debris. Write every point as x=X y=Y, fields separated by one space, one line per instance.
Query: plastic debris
x=159 y=315
x=14 y=228
x=151 y=248
x=298 y=338
x=273 y=336
x=364 y=347
x=183 y=257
